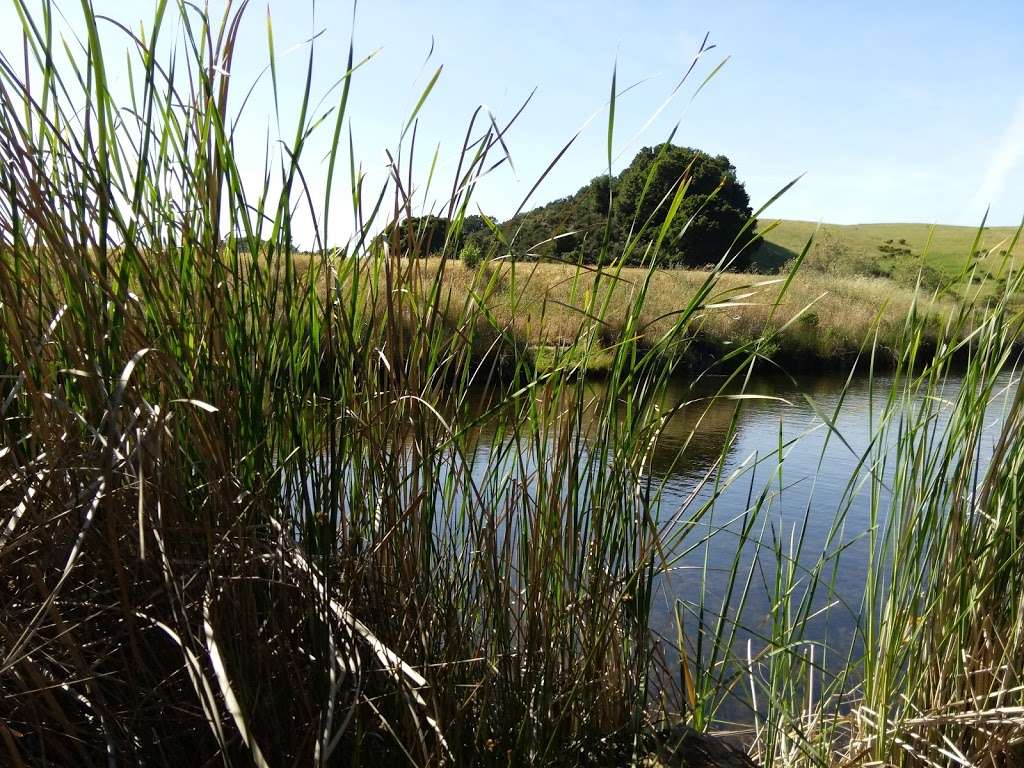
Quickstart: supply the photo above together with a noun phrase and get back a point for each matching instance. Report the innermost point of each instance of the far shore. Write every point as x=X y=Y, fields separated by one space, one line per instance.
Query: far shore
x=548 y=310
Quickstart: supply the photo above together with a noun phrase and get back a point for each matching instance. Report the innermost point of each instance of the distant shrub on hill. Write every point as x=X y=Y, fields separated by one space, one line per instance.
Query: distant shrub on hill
x=889 y=248
x=833 y=257
x=913 y=273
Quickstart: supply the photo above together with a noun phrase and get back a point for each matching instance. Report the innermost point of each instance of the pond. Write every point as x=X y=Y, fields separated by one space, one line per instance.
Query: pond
x=777 y=488
x=809 y=514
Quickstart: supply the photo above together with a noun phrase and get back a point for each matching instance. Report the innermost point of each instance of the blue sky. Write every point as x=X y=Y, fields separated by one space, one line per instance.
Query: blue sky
x=895 y=111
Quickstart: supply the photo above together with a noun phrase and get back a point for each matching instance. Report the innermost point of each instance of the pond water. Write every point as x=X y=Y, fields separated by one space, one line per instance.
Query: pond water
x=809 y=510
x=813 y=509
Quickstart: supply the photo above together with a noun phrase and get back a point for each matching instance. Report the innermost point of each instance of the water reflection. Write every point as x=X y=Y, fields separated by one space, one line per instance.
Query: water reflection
x=808 y=506
x=752 y=487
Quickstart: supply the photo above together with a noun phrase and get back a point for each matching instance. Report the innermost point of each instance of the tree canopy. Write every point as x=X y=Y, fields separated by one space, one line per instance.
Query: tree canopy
x=634 y=205
x=602 y=218
x=428 y=235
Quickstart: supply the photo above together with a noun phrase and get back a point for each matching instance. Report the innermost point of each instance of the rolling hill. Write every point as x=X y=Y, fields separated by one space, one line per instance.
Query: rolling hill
x=948 y=251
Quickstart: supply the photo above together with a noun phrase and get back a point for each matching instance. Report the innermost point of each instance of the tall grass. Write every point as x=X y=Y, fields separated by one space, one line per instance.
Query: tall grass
x=250 y=521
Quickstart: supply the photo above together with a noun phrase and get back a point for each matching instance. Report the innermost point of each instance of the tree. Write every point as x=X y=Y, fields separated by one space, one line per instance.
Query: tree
x=599 y=190
x=472 y=224
x=417 y=235
x=428 y=235
x=715 y=200
x=713 y=219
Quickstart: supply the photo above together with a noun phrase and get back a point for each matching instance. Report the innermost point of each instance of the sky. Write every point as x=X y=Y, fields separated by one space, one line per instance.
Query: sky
x=892 y=111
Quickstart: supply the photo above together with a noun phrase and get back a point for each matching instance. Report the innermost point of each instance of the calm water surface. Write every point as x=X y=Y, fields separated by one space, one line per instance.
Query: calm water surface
x=803 y=495
x=815 y=504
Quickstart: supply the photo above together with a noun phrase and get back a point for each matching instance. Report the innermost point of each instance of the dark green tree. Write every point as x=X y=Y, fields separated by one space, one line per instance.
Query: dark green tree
x=418 y=236
x=599 y=190
x=711 y=216
x=427 y=235
x=473 y=224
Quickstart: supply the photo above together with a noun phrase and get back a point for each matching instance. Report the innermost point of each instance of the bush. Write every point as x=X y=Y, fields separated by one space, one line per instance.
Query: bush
x=830 y=256
x=471 y=255
x=908 y=273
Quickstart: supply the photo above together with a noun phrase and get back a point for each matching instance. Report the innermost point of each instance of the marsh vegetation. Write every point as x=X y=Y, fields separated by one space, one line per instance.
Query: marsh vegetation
x=269 y=508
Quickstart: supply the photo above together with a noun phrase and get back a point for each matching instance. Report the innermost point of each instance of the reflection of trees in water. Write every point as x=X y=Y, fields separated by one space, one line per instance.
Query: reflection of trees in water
x=690 y=441
x=696 y=435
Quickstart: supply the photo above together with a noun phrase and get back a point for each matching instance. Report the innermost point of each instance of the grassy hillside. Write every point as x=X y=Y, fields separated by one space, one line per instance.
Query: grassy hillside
x=948 y=251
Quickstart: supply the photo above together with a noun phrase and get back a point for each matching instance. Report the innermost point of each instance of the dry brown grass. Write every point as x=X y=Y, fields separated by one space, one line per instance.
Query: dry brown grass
x=820 y=318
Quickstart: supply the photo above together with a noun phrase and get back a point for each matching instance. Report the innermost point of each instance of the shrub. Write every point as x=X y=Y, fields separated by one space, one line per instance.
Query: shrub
x=910 y=273
x=471 y=255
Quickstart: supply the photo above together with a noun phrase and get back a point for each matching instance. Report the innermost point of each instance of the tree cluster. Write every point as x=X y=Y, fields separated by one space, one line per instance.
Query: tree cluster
x=613 y=215
x=609 y=214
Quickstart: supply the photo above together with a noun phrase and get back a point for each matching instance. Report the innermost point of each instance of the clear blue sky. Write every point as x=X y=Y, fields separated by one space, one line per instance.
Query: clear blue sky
x=896 y=111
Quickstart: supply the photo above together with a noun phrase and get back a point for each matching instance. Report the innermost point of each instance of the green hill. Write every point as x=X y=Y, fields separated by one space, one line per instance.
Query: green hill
x=948 y=251
x=614 y=217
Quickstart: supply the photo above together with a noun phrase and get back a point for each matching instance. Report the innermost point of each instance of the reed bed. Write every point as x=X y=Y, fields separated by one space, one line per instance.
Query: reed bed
x=247 y=520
